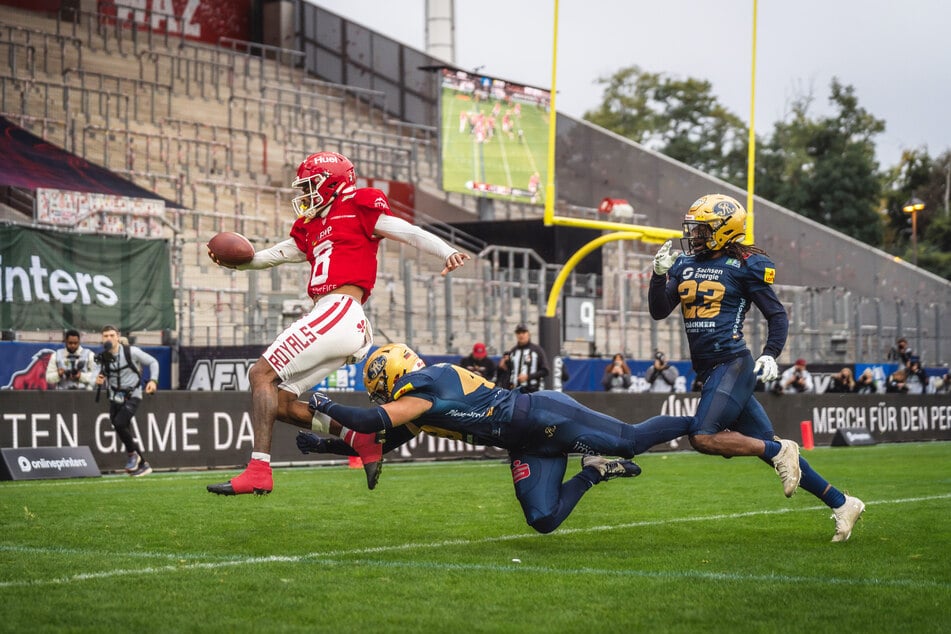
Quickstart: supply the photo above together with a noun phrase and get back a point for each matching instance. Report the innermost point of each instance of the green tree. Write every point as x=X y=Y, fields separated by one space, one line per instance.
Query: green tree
x=934 y=252
x=825 y=168
x=678 y=117
x=920 y=176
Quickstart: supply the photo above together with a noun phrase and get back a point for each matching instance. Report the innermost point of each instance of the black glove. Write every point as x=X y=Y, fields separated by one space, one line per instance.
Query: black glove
x=319 y=402
x=309 y=442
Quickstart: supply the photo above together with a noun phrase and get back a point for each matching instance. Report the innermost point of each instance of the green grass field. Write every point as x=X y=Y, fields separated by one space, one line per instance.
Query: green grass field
x=503 y=161
x=696 y=543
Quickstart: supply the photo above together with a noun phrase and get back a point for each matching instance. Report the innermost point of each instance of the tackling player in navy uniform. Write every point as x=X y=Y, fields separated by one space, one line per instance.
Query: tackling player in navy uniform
x=538 y=430
x=714 y=282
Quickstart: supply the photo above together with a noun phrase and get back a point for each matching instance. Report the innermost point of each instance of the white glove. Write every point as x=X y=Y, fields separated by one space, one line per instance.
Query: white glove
x=664 y=259
x=766 y=369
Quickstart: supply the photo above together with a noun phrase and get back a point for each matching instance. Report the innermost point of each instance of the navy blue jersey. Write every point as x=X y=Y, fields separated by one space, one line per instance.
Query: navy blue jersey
x=466 y=405
x=714 y=296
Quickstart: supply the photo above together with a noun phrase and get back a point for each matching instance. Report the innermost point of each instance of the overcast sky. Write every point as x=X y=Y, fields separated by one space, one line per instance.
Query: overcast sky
x=897 y=55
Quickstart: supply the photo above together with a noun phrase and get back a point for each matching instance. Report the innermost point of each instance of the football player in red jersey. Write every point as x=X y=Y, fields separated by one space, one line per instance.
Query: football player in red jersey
x=338 y=231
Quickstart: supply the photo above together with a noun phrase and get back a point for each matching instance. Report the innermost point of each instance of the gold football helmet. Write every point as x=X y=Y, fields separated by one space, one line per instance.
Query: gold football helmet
x=385 y=367
x=711 y=223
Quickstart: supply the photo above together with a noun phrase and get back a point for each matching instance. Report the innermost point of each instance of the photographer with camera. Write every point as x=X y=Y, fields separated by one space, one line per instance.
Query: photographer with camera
x=120 y=372
x=866 y=383
x=617 y=376
x=71 y=367
x=661 y=376
x=796 y=379
x=843 y=382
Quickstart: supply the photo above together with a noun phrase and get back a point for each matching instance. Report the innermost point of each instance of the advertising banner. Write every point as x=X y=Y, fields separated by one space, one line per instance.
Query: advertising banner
x=52 y=280
x=204 y=20
x=48 y=463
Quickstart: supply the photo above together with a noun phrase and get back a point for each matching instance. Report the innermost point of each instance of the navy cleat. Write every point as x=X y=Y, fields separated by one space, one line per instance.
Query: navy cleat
x=610 y=469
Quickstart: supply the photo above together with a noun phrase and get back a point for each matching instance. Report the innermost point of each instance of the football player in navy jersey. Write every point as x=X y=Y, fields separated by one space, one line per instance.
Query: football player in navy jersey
x=538 y=430
x=715 y=281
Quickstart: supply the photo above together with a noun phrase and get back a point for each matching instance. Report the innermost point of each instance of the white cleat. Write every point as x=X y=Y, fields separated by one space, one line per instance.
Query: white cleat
x=845 y=518
x=786 y=464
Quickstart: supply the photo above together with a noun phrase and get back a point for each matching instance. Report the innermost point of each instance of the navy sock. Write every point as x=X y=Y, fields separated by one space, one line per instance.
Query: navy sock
x=772 y=448
x=817 y=485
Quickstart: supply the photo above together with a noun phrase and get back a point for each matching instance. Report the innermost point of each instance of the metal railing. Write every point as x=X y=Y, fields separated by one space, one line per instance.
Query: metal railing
x=44 y=43
x=255 y=54
x=154 y=91
x=208 y=77
x=198 y=128
x=171 y=155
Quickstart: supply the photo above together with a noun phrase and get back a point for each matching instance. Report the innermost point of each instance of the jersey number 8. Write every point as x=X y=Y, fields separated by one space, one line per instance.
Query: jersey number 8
x=321 y=263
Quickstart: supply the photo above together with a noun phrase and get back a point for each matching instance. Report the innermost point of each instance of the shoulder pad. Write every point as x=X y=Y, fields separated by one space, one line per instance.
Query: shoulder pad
x=372 y=199
x=761 y=267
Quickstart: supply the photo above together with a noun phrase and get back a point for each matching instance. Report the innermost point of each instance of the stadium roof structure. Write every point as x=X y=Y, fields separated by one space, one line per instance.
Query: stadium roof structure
x=29 y=162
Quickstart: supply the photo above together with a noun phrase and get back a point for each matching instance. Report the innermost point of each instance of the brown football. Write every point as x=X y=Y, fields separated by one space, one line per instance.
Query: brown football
x=231 y=248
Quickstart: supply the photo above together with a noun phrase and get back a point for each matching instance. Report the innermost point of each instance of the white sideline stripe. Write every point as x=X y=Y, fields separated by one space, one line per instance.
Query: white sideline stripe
x=334 y=557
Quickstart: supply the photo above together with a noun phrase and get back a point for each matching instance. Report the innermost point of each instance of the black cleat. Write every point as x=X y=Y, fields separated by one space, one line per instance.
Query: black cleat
x=225 y=488
x=610 y=469
x=309 y=442
x=373 y=471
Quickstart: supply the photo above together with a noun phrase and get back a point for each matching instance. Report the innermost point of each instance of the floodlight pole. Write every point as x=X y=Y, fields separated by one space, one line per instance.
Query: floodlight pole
x=912 y=207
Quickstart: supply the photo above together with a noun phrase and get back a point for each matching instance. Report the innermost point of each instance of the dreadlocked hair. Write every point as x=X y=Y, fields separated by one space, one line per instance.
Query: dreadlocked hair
x=741 y=251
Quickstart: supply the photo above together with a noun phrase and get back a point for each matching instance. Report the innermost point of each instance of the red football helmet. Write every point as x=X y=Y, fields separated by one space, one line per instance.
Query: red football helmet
x=322 y=177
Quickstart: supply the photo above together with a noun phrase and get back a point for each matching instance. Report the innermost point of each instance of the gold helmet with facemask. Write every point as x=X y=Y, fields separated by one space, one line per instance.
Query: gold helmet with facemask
x=711 y=223
x=385 y=367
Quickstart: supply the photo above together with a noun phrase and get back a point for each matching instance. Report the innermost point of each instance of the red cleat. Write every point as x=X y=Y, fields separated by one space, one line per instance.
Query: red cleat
x=370 y=452
x=255 y=479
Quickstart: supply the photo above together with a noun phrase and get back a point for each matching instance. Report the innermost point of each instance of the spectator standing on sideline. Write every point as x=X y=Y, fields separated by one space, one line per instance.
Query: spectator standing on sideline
x=715 y=282
x=478 y=362
x=661 y=376
x=527 y=362
x=796 y=379
x=337 y=231
x=617 y=375
x=120 y=372
x=72 y=367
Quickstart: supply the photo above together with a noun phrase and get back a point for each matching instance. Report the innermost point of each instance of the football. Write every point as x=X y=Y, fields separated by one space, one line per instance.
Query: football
x=231 y=249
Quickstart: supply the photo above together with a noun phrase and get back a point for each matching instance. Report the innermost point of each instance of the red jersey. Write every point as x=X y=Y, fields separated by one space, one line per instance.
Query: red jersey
x=341 y=247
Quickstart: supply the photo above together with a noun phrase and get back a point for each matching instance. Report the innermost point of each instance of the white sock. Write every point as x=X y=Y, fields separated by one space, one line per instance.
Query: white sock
x=320 y=423
x=258 y=455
